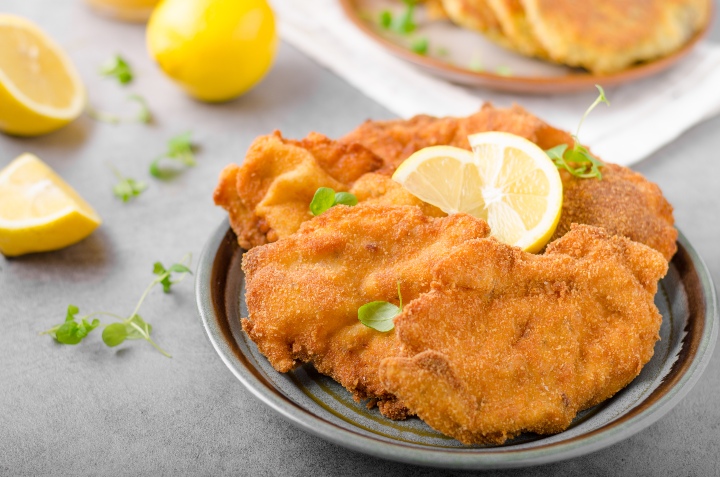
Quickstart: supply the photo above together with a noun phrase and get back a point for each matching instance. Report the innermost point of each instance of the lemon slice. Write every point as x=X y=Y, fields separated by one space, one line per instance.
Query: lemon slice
x=506 y=180
x=38 y=210
x=40 y=90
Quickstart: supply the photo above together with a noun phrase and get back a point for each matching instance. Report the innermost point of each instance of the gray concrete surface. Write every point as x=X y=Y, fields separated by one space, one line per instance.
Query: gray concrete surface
x=89 y=410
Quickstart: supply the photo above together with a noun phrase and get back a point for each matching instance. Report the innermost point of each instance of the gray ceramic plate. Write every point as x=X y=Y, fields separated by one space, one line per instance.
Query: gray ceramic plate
x=686 y=299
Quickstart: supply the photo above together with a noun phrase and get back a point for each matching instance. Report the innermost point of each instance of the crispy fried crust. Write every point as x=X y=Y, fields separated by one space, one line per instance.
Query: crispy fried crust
x=603 y=36
x=249 y=228
x=268 y=196
x=479 y=16
x=380 y=189
x=624 y=203
x=509 y=342
x=606 y=36
x=516 y=28
x=303 y=291
x=394 y=141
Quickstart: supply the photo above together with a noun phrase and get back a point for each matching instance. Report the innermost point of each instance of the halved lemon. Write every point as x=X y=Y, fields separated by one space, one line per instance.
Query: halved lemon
x=38 y=210
x=506 y=180
x=40 y=90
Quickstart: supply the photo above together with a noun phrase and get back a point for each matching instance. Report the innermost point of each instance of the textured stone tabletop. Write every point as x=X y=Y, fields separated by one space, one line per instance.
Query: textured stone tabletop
x=90 y=410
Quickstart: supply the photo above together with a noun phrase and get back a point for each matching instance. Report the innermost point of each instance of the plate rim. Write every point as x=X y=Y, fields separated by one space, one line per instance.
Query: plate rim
x=488 y=458
x=570 y=83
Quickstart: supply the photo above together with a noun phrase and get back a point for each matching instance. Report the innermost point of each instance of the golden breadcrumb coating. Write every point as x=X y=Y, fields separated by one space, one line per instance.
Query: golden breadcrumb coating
x=509 y=342
x=268 y=196
x=304 y=291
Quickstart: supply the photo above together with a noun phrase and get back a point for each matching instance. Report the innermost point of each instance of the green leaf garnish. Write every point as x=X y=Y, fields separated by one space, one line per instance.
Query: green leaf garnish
x=72 y=332
x=386 y=19
x=420 y=46
x=325 y=197
x=114 y=334
x=126 y=188
x=503 y=70
x=405 y=24
x=143 y=116
x=118 y=68
x=476 y=65
x=164 y=275
x=379 y=315
x=133 y=327
x=137 y=328
x=443 y=52
x=345 y=198
x=578 y=161
x=179 y=149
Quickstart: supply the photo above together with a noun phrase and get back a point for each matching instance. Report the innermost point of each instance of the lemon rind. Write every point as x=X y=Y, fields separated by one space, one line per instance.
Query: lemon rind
x=534 y=239
x=7 y=224
x=531 y=240
x=68 y=113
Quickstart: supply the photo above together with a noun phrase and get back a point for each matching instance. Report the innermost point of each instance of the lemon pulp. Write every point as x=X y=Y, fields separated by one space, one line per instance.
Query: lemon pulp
x=40 y=90
x=506 y=180
x=38 y=210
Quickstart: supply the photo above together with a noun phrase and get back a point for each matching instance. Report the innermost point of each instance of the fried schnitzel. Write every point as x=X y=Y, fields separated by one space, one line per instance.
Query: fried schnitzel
x=623 y=202
x=304 y=290
x=268 y=196
x=492 y=341
x=395 y=140
x=603 y=36
x=509 y=342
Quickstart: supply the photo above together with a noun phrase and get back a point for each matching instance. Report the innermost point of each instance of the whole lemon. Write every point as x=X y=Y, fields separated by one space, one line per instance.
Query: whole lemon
x=215 y=49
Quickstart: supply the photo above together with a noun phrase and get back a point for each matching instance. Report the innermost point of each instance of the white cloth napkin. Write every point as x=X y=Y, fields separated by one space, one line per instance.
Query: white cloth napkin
x=643 y=116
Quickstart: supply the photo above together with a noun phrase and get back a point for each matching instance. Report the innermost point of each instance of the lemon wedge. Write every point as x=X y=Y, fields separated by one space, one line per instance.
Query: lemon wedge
x=38 y=210
x=40 y=90
x=506 y=180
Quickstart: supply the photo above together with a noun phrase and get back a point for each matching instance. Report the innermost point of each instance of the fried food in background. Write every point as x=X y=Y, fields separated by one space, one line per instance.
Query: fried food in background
x=602 y=36
x=268 y=196
x=435 y=9
x=304 y=290
x=502 y=21
x=509 y=342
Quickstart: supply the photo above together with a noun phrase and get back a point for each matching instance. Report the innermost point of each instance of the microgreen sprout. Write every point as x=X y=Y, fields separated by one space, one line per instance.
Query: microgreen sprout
x=179 y=149
x=325 y=198
x=476 y=65
x=503 y=70
x=420 y=46
x=126 y=188
x=379 y=315
x=117 y=67
x=143 y=116
x=73 y=330
x=405 y=23
x=386 y=19
x=578 y=161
